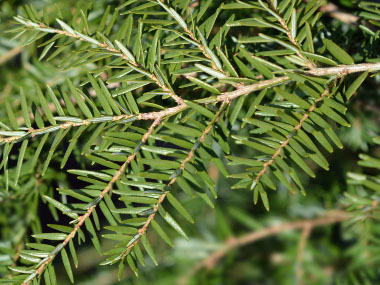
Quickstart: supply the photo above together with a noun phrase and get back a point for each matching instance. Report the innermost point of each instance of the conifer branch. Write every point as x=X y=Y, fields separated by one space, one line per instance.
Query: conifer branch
x=161 y=199
x=340 y=70
x=185 y=45
x=81 y=220
x=286 y=142
x=343 y=69
x=294 y=42
x=202 y=45
x=106 y=46
x=224 y=97
x=34 y=132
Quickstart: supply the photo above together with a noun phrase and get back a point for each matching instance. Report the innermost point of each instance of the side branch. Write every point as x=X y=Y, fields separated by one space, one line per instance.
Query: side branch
x=286 y=142
x=77 y=123
x=200 y=45
x=300 y=252
x=10 y=54
x=130 y=60
x=19 y=136
x=294 y=42
x=190 y=155
x=81 y=220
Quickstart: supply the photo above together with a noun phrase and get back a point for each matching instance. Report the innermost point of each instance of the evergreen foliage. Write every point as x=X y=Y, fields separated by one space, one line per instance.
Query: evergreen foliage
x=125 y=112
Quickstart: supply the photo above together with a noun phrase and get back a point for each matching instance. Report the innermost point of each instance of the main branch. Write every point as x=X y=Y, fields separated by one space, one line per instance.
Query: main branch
x=324 y=71
x=224 y=97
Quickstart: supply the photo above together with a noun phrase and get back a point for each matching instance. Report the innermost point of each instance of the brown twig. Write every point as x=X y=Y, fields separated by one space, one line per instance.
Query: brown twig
x=336 y=70
x=10 y=54
x=331 y=217
x=343 y=69
x=333 y=11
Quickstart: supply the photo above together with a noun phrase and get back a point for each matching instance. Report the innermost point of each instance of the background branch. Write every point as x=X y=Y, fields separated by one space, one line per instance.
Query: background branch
x=10 y=54
x=333 y=11
x=300 y=252
x=331 y=217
